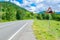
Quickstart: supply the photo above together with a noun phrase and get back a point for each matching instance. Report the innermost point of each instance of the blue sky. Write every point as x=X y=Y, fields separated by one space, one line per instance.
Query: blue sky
x=37 y=5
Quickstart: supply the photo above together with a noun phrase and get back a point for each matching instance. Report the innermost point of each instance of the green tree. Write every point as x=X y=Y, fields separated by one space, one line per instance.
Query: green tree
x=18 y=15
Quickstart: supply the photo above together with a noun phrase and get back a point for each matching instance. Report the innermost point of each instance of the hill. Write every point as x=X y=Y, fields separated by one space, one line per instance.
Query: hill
x=57 y=12
x=42 y=12
x=10 y=11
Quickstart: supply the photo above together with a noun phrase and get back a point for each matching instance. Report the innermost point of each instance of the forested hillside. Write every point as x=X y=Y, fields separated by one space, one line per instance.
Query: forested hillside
x=11 y=12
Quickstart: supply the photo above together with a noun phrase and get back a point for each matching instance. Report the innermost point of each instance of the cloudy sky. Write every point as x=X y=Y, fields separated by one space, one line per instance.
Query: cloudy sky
x=37 y=5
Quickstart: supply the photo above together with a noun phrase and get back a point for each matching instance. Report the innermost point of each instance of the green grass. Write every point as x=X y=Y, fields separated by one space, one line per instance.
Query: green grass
x=6 y=21
x=43 y=31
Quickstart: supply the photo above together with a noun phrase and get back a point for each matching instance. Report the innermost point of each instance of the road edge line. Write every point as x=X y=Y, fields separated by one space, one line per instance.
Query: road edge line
x=17 y=31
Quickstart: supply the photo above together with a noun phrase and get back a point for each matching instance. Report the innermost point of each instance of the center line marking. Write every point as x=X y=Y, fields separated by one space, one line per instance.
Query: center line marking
x=17 y=31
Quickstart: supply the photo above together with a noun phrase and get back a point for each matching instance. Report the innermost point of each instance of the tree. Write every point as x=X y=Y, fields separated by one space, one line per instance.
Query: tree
x=18 y=15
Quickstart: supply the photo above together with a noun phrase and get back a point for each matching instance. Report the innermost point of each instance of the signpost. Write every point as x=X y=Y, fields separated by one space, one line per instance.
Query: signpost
x=49 y=11
x=49 y=20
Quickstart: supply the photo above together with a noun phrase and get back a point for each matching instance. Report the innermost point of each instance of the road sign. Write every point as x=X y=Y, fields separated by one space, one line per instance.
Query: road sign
x=49 y=10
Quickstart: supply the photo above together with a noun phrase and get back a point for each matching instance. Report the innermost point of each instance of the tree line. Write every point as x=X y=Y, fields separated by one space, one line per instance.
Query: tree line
x=11 y=12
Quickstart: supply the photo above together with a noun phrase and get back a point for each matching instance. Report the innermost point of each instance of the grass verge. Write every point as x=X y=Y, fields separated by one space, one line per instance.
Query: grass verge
x=43 y=31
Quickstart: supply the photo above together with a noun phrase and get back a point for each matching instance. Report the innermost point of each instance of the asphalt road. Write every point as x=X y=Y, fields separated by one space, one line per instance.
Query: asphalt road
x=9 y=30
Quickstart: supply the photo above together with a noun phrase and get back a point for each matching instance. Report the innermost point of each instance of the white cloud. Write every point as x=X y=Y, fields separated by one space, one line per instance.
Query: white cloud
x=58 y=5
x=32 y=9
x=17 y=3
x=26 y=2
x=40 y=4
x=56 y=1
x=38 y=1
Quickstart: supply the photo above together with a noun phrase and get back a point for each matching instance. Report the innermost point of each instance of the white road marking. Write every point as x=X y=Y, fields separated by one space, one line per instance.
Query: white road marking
x=17 y=31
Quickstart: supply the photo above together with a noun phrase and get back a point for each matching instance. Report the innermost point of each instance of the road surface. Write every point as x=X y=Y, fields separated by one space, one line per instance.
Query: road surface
x=14 y=30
